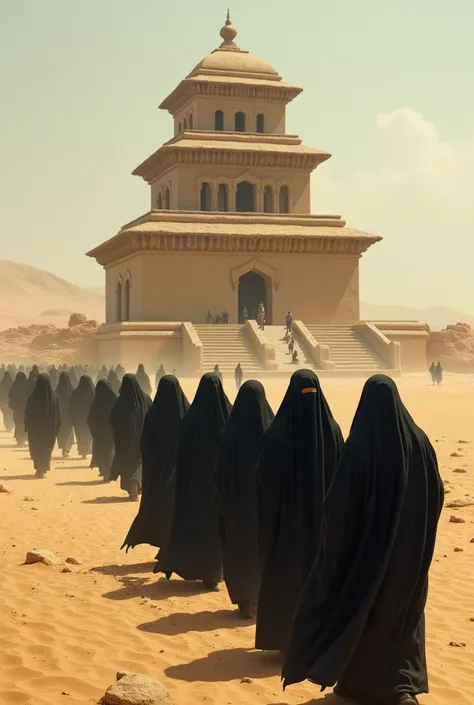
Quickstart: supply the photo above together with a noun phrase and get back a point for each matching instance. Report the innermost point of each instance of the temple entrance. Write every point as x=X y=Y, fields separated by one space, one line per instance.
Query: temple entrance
x=253 y=290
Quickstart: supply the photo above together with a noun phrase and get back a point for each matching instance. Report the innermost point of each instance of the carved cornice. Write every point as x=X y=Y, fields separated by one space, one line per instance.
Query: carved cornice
x=125 y=244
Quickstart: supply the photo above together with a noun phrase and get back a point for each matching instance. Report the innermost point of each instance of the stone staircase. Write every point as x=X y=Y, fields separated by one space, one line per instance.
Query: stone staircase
x=274 y=335
x=226 y=345
x=347 y=348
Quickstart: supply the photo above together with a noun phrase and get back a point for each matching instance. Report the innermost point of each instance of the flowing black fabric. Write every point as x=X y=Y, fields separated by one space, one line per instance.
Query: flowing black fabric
x=32 y=377
x=101 y=428
x=159 y=445
x=54 y=377
x=18 y=396
x=79 y=407
x=143 y=380
x=360 y=621
x=127 y=419
x=5 y=385
x=74 y=378
x=195 y=552
x=299 y=456
x=64 y=391
x=114 y=382
x=42 y=422
x=237 y=490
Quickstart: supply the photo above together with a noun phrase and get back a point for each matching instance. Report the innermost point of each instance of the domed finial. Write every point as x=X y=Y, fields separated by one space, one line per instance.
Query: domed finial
x=228 y=33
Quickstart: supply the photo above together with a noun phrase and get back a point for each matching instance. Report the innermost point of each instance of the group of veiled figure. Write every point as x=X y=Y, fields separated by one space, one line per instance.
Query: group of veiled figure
x=328 y=543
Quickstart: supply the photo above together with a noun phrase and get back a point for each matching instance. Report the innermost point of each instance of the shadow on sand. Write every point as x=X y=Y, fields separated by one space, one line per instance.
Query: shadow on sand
x=119 y=571
x=78 y=483
x=155 y=589
x=107 y=500
x=31 y=476
x=183 y=622
x=329 y=699
x=228 y=665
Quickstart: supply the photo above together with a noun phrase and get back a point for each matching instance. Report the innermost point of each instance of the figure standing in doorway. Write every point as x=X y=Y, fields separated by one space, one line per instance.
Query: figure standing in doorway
x=245 y=314
x=209 y=318
x=225 y=317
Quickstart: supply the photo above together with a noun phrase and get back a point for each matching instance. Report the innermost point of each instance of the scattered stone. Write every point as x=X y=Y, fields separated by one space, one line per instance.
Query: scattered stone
x=448 y=488
x=472 y=540
x=246 y=680
x=4 y=489
x=456 y=520
x=28 y=499
x=65 y=693
x=67 y=569
x=456 y=454
x=41 y=555
x=136 y=689
x=458 y=644
x=471 y=619
x=458 y=503
x=73 y=561
x=462 y=441
x=34 y=509
x=461 y=471
x=458 y=550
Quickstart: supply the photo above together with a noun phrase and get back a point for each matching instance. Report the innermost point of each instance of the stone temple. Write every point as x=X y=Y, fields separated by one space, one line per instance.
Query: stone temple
x=230 y=226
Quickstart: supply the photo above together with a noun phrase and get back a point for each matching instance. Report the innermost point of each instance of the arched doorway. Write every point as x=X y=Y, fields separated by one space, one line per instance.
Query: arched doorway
x=245 y=197
x=253 y=290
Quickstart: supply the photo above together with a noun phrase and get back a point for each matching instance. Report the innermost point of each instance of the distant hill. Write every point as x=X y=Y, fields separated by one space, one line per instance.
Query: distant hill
x=29 y=295
x=435 y=316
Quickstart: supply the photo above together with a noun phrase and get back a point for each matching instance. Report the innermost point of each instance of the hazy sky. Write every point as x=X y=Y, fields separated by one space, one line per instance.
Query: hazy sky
x=388 y=91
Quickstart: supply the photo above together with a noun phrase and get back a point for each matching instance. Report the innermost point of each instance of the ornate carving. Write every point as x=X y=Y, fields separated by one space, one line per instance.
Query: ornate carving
x=254 y=265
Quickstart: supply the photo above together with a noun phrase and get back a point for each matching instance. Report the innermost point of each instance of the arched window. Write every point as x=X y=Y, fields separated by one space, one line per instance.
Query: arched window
x=118 y=303
x=219 y=121
x=223 y=198
x=245 y=197
x=260 y=123
x=185 y=124
x=268 y=199
x=159 y=201
x=191 y=122
x=127 y=301
x=284 y=200
x=167 y=199
x=206 y=197
x=239 y=122
x=179 y=126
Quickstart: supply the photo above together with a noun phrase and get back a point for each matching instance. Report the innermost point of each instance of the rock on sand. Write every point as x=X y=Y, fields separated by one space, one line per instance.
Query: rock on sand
x=135 y=689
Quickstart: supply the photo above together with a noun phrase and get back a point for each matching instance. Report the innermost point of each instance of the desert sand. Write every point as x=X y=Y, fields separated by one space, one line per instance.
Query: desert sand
x=64 y=635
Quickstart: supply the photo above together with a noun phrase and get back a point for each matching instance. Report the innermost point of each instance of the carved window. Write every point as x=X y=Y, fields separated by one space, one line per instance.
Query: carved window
x=284 y=200
x=159 y=201
x=260 y=123
x=118 y=303
x=219 y=121
x=191 y=122
x=127 y=301
x=206 y=196
x=268 y=199
x=239 y=122
x=179 y=126
x=185 y=124
x=223 y=198
x=245 y=197
x=167 y=199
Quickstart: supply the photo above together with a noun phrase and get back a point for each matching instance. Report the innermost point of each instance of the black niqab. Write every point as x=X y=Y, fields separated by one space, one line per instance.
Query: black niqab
x=42 y=421
x=101 y=428
x=194 y=552
x=114 y=382
x=159 y=445
x=360 y=620
x=18 y=396
x=5 y=386
x=64 y=391
x=79 y=407
x=127 y=419
x=299 y=455
x=143 y=380
x=237 y=490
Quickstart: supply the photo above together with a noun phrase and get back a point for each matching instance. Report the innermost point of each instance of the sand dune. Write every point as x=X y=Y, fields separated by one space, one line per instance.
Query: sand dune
x=29 y=295
x=69 y=632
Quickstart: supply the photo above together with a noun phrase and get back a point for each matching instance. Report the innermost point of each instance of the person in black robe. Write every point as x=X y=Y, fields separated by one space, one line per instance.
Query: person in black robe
x=218 y=373
x=360 y=620
x=237 y=494
x=439 y=374
x=64 y=391
x=103 y=373
x=73 y=377
x=114 y=382
x=194 y=552
x=32 y=377
x=54 y=377
x=42 y=422
x=144 y=380
x=299 y=455
x=160 y=372
x=79 y=407
x=238 y=375
x=18 y=396
x=159 y=445
x=120 y=370
x=127 y=419
x=5 y=385
x=101 y=428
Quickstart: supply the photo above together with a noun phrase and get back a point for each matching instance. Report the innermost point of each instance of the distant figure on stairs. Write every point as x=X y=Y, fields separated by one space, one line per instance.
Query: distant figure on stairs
x=245 y=314
x=289 y=321
x=291 y=346
x=294 y=358
x=218 y=319
x=239 y=375
x=218 y=372
x=225 y=318
x=209 y=318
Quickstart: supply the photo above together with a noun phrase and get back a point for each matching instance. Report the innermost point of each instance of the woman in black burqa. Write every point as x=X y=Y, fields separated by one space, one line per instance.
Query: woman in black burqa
x=237 y=494
x=127 y=419
x=299 y=455
x=42 y=422
x=159 y=445
x=360 y=621
x=79 y=407
x=195 y=552
x=5 y=385
x=18 y=396
x=143 y=380
x=101 y=428
x=64 y=391
x=114 y=382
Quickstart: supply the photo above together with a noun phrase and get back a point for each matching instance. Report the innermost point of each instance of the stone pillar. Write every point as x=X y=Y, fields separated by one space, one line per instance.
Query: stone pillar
x=232 y=197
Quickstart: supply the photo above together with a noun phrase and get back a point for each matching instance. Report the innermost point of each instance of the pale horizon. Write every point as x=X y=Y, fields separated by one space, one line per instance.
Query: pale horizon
x=385 y=91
